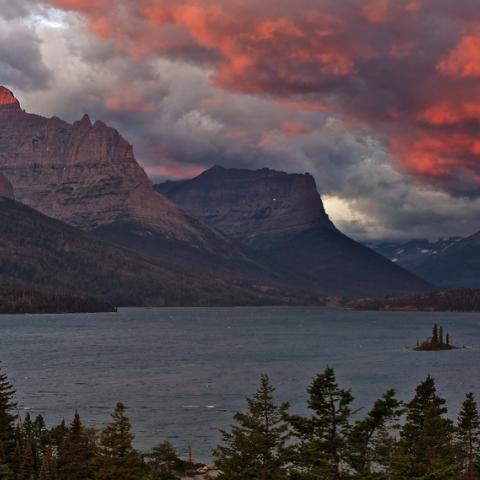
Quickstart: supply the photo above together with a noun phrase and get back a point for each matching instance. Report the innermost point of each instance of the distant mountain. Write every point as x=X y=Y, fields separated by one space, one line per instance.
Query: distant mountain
x=282 y=215
x=86 y=175
x=412 y=253
x=40 y=252
x=456 y=267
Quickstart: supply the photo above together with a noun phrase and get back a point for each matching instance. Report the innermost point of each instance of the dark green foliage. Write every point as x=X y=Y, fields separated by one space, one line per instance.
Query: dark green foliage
x=8 y=419
x=255 y=448
x=48 y=469
x=369 y=437
x=468 y=434
x=426 y=439
x=118 y=459
x=77 y=455
x=436 y=342
x=435 y=336
x=392 y=441
x=27 y=465
x=163 y=462
x=323 y=436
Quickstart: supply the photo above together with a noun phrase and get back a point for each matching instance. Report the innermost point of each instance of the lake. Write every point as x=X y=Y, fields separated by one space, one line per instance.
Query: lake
x=183 y=372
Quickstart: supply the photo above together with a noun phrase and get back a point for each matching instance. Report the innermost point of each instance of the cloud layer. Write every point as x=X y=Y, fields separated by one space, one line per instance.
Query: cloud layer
x=380 y=99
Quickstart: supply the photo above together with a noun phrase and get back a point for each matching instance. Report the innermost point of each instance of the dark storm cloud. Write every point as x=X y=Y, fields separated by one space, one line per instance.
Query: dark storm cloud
x=21 y=63
x=378 y=99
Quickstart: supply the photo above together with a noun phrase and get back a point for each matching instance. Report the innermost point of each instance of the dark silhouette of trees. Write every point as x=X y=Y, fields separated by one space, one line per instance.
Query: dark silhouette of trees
x=468 y=435
x=391 y=441
x=118 y=459
x=322 y=437
x=256 y=446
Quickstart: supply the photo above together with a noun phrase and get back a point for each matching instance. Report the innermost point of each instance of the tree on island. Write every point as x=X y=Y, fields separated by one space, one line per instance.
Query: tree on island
x=255 y=448
x=436 y=342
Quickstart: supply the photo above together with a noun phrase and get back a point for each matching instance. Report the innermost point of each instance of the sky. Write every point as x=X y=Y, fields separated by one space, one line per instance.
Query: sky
x=378 y=99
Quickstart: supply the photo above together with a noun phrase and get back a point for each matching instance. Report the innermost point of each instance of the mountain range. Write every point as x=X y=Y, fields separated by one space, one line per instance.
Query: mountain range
x=447 y=263
x=282 y=215
x=80 y=214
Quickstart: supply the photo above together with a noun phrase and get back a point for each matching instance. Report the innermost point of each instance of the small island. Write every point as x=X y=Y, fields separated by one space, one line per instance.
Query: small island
x=436 y=342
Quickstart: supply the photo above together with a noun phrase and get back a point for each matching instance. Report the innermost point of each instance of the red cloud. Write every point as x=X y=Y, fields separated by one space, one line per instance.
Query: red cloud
x=124 y=98
x=464 y=60
x=446 y=114
x=409 y=69
x=294 y=129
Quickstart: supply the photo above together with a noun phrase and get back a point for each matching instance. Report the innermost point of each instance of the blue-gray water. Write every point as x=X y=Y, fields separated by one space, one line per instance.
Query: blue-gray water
x=183 y=372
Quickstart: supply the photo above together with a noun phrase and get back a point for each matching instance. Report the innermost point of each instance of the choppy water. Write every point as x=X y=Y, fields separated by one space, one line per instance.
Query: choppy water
x=183 y=372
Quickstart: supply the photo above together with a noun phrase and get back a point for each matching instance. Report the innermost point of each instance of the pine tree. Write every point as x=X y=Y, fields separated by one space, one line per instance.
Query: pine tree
x=323 y=436
x=48 y=470
x=8 y=419
x=426 y=446
x=368 y=437
x=77 y=456
x=255 y=448
x=163 y=462
x=440 y=335
x=31 y=441
x=468 y=434
x=435 y=334
x=119 y=460
x=27 y=468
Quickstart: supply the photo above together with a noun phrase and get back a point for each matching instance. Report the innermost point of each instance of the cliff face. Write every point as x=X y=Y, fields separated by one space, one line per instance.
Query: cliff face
x=252 y=205
x=83 y=174
x=282 y=216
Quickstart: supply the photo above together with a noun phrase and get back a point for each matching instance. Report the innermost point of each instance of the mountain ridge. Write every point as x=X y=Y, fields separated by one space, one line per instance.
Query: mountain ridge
x=282 y=215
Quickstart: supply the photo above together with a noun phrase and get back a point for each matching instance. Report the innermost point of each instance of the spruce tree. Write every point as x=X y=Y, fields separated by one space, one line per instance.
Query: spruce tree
x=119 y=460
x=27 y=467
x=48 y=469
x=440 y=335
x=322 y=437
x=255 y=448
x=8 y=419
x=435 y=334
x=77 y=456
x=368 y=437
x=426 y=439
x=163 y=462
x=468 y=434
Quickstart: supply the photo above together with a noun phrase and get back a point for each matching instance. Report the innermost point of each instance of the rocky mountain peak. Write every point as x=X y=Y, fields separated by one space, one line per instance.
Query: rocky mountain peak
x=7 y=99
x=251 y=203
x=84 y=175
